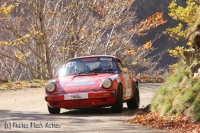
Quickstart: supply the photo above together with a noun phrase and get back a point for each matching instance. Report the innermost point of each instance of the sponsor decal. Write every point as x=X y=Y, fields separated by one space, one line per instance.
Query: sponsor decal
x=107 y=59
x=80 y=79
x=89 y=59
x=80 y=83
x=76 y=96
x=69 y=64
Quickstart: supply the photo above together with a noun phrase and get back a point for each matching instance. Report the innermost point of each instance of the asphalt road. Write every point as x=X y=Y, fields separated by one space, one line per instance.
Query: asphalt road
x=26 y=111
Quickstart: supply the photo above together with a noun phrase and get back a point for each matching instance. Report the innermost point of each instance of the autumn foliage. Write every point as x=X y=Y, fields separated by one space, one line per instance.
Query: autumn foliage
x=38 y=37
x=176 y=124
x=187 y=17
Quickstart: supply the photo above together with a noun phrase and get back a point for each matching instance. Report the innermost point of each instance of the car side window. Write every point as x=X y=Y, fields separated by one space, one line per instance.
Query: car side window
x=120 y=65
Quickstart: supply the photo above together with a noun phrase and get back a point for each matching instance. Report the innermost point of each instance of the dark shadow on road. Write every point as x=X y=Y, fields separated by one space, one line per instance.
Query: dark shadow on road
x=97 y=112
x=7 y=115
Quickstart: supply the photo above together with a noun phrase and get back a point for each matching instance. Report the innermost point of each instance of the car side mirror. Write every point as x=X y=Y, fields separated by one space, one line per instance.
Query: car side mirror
x=124 y=70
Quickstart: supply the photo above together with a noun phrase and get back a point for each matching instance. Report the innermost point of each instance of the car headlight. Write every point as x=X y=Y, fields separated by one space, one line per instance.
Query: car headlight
x=50 y=87
x=107 y=83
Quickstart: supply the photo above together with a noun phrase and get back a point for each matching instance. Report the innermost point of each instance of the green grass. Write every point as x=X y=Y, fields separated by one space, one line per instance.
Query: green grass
x=178 y=95
x=196 y=108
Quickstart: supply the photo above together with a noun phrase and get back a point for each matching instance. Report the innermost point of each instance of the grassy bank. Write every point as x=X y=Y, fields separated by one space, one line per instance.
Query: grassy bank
x=23 y=84
x=178 y=95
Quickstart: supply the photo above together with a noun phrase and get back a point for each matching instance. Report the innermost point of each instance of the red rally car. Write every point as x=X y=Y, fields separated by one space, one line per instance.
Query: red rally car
x=92 y=81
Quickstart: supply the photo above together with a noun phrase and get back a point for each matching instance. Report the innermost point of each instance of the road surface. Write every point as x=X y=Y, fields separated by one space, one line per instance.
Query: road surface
x=26 y=111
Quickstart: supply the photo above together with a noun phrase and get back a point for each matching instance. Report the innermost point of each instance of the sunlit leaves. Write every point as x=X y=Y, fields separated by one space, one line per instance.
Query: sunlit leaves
x=185 y=15
x=63 y=49
x=151 y=22
x=4 y=43
x=147 y=45
x=21 y=40
x=189 y=43
x=134 y=63
x=112 y=44
x=100 y=10
x=176 y=32
x=15 y=42
x=20 y=56
x=131 y=51
x=175 y=52
x=172 y=66
x=82 y=53
x=6 y=9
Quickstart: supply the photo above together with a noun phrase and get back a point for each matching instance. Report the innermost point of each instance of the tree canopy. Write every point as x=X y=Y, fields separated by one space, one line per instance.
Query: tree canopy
x=37 y=36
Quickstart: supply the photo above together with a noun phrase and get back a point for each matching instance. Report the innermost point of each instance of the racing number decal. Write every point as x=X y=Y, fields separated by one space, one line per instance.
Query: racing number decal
x=128 y=90
x=128 y=85
x=69 y=64
x=128 y=82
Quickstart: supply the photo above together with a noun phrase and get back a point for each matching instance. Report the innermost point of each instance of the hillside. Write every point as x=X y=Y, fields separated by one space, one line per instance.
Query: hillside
x=179 y=95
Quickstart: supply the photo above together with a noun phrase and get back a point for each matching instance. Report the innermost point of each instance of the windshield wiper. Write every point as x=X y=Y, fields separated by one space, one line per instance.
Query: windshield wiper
x=102 y=70
x=96 y=70
x=80 y=73
x=109 y=70
x=84 y=73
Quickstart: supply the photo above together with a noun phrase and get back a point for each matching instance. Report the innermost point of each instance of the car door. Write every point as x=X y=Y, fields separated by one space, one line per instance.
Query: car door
x=126 y=82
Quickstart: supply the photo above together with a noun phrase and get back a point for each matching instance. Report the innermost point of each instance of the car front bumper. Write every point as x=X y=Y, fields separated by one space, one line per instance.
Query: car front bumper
x=82 y=99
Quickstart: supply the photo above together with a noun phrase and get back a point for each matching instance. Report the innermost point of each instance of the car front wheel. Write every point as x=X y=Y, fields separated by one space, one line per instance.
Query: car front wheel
x=118 y=106
x=134 y=103
x=53 y=110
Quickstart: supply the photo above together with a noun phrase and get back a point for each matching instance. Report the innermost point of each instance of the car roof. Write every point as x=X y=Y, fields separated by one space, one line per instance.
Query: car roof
x=95 y=56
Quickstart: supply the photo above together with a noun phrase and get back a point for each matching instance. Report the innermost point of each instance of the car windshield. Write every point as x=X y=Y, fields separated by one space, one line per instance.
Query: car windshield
x=89 y=65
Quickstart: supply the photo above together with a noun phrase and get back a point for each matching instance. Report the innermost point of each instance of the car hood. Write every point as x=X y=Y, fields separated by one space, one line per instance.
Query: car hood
x=82 y=83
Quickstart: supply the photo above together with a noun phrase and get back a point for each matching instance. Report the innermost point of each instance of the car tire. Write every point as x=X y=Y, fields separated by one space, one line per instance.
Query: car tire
x=53 y=110
x=134 y=102
x=118 y=106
